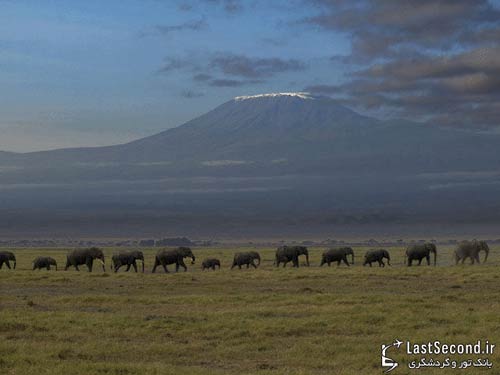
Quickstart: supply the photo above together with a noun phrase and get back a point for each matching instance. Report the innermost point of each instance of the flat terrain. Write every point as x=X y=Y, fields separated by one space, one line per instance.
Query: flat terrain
x=265 y=321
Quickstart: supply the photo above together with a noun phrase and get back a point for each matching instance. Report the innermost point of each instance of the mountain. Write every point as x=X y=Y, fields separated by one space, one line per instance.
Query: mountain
x=271 y=155
x=295 y=130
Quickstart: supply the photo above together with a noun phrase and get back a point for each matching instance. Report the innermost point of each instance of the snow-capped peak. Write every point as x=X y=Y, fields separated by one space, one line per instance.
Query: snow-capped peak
x=301 y=95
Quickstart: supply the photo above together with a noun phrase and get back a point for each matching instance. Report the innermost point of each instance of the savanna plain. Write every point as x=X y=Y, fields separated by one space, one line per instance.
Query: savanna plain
x=265 y=321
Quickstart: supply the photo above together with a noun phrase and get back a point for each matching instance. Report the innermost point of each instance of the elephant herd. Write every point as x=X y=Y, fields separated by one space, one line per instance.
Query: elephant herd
x=284 y=255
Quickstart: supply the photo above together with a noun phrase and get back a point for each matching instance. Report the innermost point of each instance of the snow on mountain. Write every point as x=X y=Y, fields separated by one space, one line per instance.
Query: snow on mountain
x=301 y=95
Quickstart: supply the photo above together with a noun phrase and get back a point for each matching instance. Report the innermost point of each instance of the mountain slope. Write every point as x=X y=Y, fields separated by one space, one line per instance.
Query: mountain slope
x=284 y=163
x=281 y=133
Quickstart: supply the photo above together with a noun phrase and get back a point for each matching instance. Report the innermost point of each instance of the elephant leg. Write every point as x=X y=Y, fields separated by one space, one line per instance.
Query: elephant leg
x=76 y=267
x=380 y=263
x=1 y=265
x=329 y=264
x=248 y=265
x=345 y=261
x=477 y=258
x=67 y=265
x=128 y=267
x=370 y=264
x=183 y=265
x=239 y=266
x=463 y=260
x=410 y=261
x=48 y=267
x=89 y=265
x=428 y=258
x=253 y=264
x=420 y=261
x=135 y=266
x=234 y=265
x=164 y=267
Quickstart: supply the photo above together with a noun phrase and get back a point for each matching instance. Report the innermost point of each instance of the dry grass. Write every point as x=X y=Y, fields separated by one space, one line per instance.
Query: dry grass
x=266 y=321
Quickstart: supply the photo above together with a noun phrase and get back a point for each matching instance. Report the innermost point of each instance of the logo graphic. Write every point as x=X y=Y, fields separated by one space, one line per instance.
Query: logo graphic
x=387 y=362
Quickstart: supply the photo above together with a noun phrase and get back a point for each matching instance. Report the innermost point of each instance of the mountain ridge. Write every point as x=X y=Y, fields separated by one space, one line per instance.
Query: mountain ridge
x=298 y=129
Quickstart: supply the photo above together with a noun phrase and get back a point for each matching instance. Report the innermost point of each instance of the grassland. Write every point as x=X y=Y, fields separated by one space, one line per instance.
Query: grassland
x=266 y=321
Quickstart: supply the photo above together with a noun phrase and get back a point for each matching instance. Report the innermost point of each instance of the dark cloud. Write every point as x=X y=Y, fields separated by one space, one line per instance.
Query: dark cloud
x=202 y=77
x=435 y=61
x=379 y=27
x=189 y=94
x=233 y=82
x=323 y=89
x=193 y=25
x=249 y=67
x=229 y=6
x=229 y=70
x=176 y=63
x=274 y=42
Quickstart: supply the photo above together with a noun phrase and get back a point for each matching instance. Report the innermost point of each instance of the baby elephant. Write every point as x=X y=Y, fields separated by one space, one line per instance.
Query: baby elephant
x=44 y=262
x=377 y=256
x=210 y=263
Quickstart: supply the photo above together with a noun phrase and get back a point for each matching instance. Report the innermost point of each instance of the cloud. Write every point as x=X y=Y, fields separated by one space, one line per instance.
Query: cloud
x=379 y=27
x=232 y=82
x=433 y=61
x=193 y=25
x=202 y=77
x=229 y=6
x=230 y=70
x=250 y=67
x=190 y=94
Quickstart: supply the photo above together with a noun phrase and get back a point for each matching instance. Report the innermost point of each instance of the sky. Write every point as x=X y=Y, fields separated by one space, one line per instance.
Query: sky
x=86 y=73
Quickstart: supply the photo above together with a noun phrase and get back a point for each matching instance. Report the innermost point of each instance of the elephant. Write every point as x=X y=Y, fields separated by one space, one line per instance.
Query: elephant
x=285 y=254
x=44 y=262
x=246 y=258
x=377 y=256
x=421 y=251
x=337 y=255
x=7 y=257
x=79 y=257
x=210 y=263
x=471 y=249
x=164 y=257
x=127 y=258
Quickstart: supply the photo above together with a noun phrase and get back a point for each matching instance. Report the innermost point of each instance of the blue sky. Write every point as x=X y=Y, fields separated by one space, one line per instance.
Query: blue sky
x=88 y=72
x=76 y=73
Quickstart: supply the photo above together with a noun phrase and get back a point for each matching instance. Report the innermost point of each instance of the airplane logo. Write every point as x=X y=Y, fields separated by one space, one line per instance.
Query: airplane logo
x=387 y=362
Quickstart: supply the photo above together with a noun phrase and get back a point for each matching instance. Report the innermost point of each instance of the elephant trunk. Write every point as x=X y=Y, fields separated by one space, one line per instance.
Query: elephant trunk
x=435 y=257
x=15 y=264
x=352 y=255
x=142 y=265
x=307 y=260
x=486 y=256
